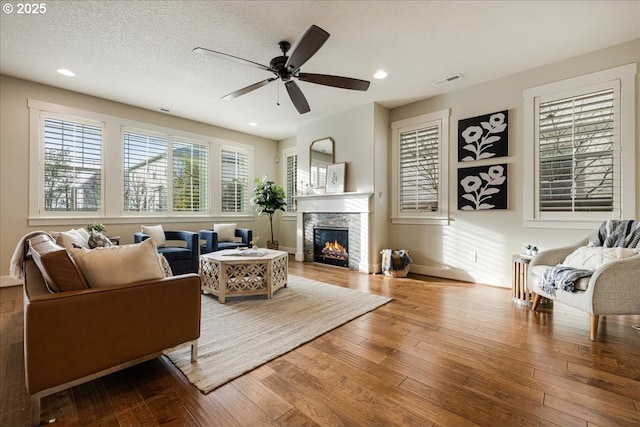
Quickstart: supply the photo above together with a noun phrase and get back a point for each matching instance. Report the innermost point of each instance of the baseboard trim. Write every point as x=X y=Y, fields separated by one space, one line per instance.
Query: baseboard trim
x=443 y=272
x=6 y=282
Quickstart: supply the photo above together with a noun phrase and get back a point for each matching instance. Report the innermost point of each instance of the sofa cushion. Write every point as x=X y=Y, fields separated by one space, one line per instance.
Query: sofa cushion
x=58 y=269
x=119 y=265
x=226 y=232
x=592 y=257
x=156 y=232
x=175 y=253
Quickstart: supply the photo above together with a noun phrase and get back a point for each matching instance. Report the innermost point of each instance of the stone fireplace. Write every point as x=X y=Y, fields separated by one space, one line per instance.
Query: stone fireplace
x=344 y=213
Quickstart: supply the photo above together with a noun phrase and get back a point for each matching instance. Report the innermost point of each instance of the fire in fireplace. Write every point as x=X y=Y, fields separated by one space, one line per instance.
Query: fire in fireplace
x=331 y=246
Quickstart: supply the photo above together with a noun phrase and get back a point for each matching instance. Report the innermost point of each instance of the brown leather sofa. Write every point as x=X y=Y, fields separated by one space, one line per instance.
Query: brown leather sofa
x=75 y=333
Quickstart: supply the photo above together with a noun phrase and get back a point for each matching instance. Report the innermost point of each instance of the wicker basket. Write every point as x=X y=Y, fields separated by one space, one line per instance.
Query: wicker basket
x=392 y=263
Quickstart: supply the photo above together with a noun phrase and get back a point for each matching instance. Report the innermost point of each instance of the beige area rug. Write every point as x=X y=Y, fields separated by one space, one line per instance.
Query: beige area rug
x=245 y=333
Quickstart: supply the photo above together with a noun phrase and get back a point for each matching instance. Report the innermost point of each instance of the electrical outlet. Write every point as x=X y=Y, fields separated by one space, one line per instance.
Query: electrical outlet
x=473 y=256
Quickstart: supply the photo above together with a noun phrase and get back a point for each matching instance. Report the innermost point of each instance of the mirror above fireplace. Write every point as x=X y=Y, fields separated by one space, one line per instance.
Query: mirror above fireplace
x=321 y=154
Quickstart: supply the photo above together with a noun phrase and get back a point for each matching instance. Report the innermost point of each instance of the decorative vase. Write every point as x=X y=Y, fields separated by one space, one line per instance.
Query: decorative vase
x=273 y=245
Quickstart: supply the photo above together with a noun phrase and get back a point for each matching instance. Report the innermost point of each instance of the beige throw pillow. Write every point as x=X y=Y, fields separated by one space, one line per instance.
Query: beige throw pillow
x=68 y=239
x=156 y=233
x=592 y=257
x=119 y=265
x=226 y=232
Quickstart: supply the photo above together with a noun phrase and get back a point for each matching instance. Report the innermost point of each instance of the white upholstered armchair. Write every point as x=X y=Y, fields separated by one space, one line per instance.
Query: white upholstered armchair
x=612 y=289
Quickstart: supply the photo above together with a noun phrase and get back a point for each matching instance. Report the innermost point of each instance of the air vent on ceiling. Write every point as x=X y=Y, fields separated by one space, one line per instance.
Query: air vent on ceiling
x=451 y=78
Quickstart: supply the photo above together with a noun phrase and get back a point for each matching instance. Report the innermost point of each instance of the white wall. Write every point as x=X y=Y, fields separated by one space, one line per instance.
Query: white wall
x=286 y=227
x=495 y=235
x=14 y=159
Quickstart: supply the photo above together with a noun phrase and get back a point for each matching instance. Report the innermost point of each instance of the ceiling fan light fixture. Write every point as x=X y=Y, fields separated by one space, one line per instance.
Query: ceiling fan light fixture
x=287 y=69
x=253 y=124
x=380 y=74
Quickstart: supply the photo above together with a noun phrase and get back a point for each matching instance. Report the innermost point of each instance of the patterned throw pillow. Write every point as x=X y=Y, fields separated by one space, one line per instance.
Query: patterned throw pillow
x=98 y=240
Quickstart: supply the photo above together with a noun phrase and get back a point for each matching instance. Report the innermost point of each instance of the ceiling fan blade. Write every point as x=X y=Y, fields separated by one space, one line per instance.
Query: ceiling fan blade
x=226 y=56
x=298 y=99
x=248 y=89
x=335 y=81
x=307 y=46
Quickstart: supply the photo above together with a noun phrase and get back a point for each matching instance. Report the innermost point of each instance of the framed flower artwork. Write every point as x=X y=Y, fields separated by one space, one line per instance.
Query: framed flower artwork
x=482 y=187
x=483 y=137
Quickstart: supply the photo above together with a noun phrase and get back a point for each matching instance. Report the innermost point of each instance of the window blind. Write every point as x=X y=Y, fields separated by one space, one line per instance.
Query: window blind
x=72 y=166
x=576 y=150
x=145 y=173
x=189 y=177
x=234 y=170
x=419 y=169
x=292 y=180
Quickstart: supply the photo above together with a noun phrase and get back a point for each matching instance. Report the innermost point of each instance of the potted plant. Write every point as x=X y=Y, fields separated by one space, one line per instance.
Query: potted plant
x=100 y=228
x=268 y=198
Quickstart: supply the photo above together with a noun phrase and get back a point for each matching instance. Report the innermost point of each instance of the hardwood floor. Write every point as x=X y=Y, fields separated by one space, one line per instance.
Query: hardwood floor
x=441 y=353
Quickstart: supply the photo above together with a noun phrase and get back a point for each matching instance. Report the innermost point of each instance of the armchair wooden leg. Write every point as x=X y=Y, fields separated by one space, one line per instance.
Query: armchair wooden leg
x=594 y=326
x=194 y=352
x=536 y=302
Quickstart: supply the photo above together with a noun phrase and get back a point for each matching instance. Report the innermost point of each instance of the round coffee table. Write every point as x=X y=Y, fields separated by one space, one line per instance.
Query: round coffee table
x=230 y=273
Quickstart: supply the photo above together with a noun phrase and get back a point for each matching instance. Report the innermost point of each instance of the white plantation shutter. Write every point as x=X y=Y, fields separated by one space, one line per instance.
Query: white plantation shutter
x=292 y=179
x=145 y=173
x=419 y=169
x=577 y=150
x=234 y=178
x=190 y=177
x=72 y=166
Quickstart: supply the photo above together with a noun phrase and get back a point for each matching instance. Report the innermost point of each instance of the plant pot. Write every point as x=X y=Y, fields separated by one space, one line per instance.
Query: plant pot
x=273 y=245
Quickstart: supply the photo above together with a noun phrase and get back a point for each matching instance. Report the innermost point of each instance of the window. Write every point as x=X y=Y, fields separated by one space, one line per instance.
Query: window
x=114 y=170
x=190 y=171
x=145 y=173
x=576 y=145
x=234 y=179
x=419 y=178
x=576 y=167
x=291 y=176
x=72 y=165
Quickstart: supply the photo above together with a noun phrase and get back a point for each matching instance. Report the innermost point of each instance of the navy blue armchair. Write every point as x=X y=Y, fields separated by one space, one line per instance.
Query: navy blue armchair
x=182 y=259
x=211 y=243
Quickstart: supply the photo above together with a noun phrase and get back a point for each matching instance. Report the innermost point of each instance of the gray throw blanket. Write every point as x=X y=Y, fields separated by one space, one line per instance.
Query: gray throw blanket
x=562 y=277
x=615 y=233
x=612 y=233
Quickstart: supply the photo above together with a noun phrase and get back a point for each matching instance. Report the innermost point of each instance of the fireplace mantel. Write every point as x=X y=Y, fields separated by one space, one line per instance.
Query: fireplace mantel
x=358 y=203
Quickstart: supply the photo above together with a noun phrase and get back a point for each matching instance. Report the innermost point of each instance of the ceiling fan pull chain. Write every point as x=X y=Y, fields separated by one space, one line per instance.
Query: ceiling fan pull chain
x=278 y=95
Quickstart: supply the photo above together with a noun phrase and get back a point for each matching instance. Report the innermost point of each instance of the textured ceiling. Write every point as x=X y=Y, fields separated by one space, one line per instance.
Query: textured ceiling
x=140 y=52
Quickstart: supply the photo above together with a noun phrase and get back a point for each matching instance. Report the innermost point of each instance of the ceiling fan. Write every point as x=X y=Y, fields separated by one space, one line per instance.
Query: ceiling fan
x=287 y=68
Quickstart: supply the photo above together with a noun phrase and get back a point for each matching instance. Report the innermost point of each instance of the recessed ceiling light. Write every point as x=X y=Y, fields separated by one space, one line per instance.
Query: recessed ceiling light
x=66 y=72
x=253 y=124
x=380 y=74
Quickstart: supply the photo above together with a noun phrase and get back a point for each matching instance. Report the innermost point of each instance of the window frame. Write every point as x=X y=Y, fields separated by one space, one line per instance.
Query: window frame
x=624 y=146
x=42 y=118
x=286 y=154
x=112 y=193
x=441 y=216
x=217 y=184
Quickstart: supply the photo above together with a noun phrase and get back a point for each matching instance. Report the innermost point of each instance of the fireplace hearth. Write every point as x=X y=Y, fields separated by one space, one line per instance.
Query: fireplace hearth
x=331 y=246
